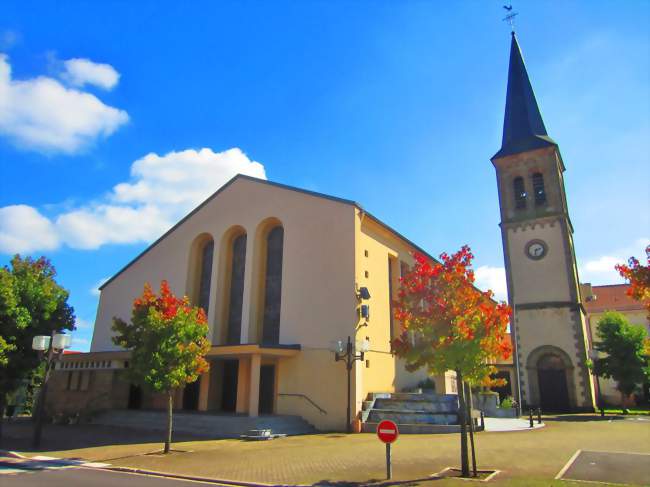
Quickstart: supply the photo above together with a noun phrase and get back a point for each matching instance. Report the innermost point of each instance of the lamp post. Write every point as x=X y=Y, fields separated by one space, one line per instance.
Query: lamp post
x=349 y=356
x=51 y=347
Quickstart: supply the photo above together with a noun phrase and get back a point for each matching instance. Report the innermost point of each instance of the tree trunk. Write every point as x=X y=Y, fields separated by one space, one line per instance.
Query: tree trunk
x=462 y=417
x=471 y=429
x=170 y=406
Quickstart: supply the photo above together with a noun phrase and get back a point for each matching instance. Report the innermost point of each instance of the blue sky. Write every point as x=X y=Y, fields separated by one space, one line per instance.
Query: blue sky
x=105 y=107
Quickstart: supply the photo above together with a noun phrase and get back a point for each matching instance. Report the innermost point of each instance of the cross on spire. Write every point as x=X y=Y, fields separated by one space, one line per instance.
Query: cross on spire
x=510 y=18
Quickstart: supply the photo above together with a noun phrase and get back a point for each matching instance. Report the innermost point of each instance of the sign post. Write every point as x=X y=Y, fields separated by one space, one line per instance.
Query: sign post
x=387 y=432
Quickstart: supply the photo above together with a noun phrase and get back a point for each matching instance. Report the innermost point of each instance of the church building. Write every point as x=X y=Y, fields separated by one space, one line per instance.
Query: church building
x=286 y=275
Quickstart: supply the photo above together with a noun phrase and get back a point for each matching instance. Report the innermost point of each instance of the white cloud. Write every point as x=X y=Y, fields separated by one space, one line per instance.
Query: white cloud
x=162 y=189
x=601 y=270
x=82 y=342
x=95 y=289
x=493 y=278
x=80 y=72
x=24 y=229
x=82 y=324
x=41 y=114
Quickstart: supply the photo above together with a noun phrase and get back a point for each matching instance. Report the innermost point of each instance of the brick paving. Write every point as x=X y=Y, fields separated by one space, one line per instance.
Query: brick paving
x=339 y=458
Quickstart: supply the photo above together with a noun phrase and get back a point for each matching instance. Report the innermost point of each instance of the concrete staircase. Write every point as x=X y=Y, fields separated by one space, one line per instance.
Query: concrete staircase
x=204 y=424
x=413 y=413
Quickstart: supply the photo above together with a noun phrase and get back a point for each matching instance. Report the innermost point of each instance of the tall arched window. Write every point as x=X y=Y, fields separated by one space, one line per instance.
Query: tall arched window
x=520 y=192
x=237 y=267
x=538 y=189
x=206 y=275
x=273 y=286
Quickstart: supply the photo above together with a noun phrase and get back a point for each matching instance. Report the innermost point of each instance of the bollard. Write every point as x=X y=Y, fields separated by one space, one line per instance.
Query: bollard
x=530 y=416
x=539 y=415
x=482 y=421
x=602 y=411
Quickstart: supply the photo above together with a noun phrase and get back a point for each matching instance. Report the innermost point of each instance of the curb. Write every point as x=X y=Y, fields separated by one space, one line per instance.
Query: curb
x=194 y=478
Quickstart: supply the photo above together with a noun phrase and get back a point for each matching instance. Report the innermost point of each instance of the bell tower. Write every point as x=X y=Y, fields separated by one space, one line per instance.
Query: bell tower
x=543 y=289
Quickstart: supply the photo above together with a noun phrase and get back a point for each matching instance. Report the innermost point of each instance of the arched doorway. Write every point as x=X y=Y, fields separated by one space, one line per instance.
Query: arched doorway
x=552 y=379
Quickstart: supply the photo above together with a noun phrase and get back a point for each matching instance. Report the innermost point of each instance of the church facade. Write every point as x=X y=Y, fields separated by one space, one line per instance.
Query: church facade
x=279 y=271
x=549 y=325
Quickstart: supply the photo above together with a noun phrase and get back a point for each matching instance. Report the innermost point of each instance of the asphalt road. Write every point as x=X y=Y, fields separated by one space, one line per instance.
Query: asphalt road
x=81 y=477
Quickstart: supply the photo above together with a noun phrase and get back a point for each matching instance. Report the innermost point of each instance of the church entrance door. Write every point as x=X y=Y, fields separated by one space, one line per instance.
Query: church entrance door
x=229 y=386
x=267 y=389
x=553 y=390
x=191 y=396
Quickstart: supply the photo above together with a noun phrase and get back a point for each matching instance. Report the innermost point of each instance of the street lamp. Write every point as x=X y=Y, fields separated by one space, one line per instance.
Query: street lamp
x=347 y=353
x=54 y=346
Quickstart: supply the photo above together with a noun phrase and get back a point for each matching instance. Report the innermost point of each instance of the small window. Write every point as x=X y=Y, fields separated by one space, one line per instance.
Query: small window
x=84 y=381
x=367 y=274
x=538 y=189
x=365 y=253
x=69 y=380
x=520 y=193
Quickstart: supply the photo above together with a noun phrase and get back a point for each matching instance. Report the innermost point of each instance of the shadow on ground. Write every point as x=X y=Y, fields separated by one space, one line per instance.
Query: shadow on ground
x=17 y=435
x=373 y=482
x=581 y=418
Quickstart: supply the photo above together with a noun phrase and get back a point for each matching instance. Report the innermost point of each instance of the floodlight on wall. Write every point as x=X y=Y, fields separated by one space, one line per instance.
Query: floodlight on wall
x=365 y=311
x=363 y=293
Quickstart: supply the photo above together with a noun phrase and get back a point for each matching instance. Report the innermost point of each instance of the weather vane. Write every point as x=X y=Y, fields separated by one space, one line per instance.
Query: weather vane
x=510 y=18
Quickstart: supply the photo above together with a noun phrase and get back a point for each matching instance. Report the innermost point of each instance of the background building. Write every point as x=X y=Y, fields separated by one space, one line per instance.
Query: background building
x=613 y=297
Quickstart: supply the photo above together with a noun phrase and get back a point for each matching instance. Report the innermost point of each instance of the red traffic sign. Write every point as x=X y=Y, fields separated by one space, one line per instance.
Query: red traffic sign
x=387 y=431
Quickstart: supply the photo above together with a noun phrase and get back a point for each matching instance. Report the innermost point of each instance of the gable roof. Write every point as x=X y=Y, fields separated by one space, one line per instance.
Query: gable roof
x=277 y=185
x=612 y=297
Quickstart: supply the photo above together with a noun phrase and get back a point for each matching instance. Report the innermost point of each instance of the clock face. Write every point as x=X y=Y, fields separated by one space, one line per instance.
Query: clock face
x=536 y=249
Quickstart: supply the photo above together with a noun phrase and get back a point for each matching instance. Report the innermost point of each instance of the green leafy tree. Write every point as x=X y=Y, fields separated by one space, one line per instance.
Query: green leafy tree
x=448 y=324
x=31 y=303
x=626 y=352
x=168 y=341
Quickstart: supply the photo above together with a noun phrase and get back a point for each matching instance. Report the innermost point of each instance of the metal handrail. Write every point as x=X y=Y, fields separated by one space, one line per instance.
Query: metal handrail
x=306 y=398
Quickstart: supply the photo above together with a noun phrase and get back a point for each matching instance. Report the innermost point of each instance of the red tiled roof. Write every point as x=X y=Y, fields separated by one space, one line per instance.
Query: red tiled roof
x=612 y=298
x=70 y=352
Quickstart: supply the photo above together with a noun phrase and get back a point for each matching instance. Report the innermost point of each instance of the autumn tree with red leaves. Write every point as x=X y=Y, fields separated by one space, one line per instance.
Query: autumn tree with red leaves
x=168 y=341
x=639 y=277
x=448 y=324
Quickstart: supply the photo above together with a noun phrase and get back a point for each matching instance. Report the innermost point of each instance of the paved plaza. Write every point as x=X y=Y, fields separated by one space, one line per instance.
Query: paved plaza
x=523 y=457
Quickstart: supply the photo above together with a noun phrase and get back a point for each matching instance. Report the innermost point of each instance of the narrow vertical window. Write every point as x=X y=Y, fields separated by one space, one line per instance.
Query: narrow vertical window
x=206 y=275
x=520 y=192
x=236 y=289
x=538 y=189
x=273 y=286
x=390 y=298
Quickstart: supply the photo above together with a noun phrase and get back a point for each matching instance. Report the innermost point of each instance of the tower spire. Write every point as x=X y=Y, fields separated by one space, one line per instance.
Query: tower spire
x=523 y=127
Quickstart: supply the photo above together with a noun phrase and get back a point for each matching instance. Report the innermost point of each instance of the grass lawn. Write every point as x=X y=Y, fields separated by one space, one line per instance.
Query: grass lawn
x=642 y=411
x=526 y=458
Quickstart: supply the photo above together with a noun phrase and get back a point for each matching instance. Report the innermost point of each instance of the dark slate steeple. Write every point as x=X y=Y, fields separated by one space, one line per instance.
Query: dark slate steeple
x=523 y=127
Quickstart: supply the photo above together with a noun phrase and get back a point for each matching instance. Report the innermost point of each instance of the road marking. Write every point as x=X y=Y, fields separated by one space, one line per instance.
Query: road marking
x=568 y=465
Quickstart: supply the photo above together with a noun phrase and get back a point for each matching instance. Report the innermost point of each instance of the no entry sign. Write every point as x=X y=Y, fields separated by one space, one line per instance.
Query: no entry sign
x=387 y=431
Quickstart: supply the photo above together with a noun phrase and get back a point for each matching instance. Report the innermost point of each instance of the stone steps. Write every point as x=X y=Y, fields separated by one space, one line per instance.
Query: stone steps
x=412 y=417
x=205 y=424
x=412 y=412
